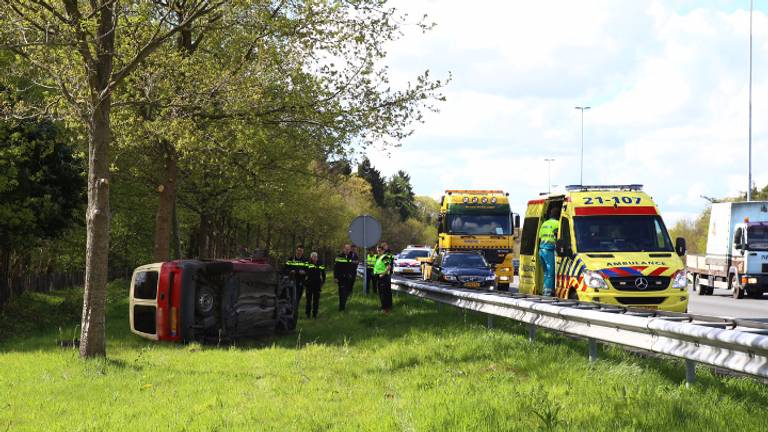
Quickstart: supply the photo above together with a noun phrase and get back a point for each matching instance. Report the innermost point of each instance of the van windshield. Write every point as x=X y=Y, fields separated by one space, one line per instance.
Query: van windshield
x=621 y=234
x=471 y=224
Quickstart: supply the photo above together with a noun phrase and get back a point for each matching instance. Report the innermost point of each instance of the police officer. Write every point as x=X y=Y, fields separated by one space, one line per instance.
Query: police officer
x=383 y=272
x=315 y=281
x=297 y=268
x=547 y=239
x=345 y=272
x=370 y=261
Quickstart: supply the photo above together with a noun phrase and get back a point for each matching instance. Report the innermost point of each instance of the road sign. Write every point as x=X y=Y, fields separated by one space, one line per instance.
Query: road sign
x=365 y=231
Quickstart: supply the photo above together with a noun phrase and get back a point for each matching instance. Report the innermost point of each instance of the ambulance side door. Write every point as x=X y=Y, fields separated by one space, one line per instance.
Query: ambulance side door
x=528 y=255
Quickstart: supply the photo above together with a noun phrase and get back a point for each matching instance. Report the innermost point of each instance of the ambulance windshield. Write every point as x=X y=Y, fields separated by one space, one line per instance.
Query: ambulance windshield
x=472 y=224
x=621 y=234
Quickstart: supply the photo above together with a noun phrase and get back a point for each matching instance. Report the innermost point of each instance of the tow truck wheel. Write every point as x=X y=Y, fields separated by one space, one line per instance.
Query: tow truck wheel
x=205 y=301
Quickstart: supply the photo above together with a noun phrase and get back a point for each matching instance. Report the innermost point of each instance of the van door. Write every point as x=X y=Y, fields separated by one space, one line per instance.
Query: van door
x=564 y=264
x=143 y=302
x=529 y=249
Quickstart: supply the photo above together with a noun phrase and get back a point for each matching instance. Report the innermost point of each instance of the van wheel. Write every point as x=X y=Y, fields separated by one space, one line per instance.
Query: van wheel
x=205 y=301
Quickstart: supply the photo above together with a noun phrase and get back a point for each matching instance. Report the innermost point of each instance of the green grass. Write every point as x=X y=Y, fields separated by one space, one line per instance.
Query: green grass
x=424 y=367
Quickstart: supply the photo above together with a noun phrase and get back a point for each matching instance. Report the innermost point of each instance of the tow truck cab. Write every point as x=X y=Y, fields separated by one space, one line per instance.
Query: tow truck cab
x=189 y=300
x=612 y=247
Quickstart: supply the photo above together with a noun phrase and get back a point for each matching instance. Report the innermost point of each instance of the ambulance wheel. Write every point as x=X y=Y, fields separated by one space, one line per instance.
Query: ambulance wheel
x=205 y=301
x=573 y=295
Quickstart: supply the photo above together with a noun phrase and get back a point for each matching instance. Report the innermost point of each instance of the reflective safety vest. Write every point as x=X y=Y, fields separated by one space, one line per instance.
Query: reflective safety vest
x=371 y=260
x=547 y=231
x=384 y=260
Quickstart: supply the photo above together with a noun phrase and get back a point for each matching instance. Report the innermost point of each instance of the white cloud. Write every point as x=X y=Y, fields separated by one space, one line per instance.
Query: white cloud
x=667 y=84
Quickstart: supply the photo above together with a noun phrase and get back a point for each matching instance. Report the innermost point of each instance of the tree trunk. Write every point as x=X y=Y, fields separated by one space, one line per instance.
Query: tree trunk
x=5 y=267
x=93 y=333
x=176 y=237
x=164 y=214
x=93 y=326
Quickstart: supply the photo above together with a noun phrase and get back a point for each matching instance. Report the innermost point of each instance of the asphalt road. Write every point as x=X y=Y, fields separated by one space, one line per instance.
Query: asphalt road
x=723 y=305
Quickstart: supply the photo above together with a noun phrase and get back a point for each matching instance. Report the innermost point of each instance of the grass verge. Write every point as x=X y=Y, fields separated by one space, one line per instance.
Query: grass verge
x=423 y=367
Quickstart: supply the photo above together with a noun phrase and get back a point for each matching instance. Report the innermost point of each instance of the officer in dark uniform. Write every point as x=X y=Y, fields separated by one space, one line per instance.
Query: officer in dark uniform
x=370 y=261
x=315 y=281
x=383 y=272
x=297 y=268
x=345 y=272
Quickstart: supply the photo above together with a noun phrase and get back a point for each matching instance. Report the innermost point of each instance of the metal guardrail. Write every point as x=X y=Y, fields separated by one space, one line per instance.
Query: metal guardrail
x=736 y=345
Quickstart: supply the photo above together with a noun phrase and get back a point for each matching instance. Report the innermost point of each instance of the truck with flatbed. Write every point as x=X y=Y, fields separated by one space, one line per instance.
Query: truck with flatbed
x=737 y=251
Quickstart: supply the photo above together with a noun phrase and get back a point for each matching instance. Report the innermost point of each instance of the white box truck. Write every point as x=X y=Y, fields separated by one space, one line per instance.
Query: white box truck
x=737 y=251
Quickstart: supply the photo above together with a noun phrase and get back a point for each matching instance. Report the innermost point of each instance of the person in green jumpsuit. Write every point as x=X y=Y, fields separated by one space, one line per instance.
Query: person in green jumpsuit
x=547 y=239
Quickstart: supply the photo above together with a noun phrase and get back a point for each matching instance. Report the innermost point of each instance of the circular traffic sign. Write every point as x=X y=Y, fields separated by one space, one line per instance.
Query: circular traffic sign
x=364 y=231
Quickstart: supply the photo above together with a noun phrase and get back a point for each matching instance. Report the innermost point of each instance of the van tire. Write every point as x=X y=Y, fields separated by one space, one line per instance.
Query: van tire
x=205 y=301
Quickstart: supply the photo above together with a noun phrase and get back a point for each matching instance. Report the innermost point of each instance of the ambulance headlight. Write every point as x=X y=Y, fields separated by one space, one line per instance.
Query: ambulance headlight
x=594 y=280
x=680 y=280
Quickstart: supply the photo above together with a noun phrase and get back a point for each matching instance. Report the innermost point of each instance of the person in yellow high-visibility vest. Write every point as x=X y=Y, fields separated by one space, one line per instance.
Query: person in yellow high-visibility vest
x=547 y=239
x=370 y=259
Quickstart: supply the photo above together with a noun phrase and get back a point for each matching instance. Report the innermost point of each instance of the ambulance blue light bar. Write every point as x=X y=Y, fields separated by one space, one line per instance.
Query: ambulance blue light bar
x=630 y=187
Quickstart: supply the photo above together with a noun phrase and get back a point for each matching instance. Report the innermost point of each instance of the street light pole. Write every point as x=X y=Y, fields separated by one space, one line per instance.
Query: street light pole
x=581 y=175
x=749 y=181
x=549 y=177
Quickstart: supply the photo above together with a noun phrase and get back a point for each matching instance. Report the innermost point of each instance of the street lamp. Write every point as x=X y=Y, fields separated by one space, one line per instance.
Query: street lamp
x=549 y=178
x=749 y=180
x=581 y=175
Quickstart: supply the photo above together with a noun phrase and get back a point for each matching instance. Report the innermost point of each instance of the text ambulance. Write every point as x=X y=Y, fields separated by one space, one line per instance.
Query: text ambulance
x=612 y=247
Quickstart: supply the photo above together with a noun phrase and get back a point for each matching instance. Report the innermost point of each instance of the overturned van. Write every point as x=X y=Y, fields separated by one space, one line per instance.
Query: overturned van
x=192 y=300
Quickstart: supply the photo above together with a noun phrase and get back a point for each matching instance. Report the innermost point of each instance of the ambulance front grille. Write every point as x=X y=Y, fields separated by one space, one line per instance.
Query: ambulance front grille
x=631 y=283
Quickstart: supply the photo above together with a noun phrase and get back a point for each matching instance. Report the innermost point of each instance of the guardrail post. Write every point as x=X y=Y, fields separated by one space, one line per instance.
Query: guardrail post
x=532 y=332
x=690 y=372
x=489 y=324
x=592 y=350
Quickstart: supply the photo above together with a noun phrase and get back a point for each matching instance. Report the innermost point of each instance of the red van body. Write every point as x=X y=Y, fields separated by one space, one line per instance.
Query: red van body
x=189 y=300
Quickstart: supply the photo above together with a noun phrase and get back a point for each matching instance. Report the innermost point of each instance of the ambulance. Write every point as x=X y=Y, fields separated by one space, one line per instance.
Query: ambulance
x=612 y=248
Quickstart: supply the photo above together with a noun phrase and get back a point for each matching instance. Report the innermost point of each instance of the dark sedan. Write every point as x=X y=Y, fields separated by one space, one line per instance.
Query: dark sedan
x=466 y=269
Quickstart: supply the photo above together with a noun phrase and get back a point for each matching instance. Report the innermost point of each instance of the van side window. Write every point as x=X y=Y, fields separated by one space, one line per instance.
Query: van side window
x=565 y=231
x=528 y=238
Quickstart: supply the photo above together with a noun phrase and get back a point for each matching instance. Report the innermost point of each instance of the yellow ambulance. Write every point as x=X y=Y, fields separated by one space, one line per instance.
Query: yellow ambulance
x=612 y=247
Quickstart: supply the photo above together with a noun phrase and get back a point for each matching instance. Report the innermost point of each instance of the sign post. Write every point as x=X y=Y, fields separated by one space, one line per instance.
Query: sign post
x=365 y=231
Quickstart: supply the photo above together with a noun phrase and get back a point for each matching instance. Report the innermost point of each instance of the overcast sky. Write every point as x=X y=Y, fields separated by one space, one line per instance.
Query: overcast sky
x=667 y=82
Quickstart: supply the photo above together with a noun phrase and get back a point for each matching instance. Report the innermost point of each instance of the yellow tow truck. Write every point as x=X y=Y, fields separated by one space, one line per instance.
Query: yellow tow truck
x=477 y=220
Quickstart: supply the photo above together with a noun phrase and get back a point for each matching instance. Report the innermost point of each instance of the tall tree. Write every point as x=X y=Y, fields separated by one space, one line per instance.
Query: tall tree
x=81 y=53
x=400 y=196
x=373 y=176
x=40 y=187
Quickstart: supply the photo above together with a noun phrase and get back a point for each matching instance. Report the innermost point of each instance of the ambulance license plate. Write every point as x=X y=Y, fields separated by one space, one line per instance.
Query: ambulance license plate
x=472 y=284
x=650 y=307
